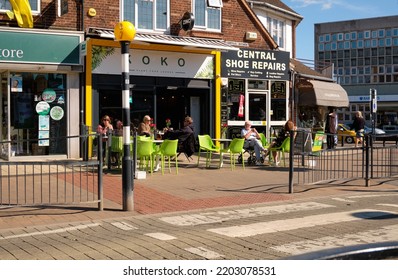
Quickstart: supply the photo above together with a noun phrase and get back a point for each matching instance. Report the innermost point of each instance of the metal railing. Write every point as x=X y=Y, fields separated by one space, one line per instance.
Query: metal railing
x=374 y=159
x=51 y=182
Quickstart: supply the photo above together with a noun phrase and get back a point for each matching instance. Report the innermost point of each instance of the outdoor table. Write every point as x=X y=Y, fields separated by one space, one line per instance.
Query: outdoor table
x=224 y=142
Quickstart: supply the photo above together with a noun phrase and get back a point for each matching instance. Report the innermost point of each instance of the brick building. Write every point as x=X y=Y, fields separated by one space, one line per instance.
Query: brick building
x=176 y=70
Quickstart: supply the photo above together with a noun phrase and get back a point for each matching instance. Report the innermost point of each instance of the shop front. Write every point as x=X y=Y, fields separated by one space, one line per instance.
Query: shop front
x=255 y=88
x=170 y=78
x=314 y=99
x=39 y=93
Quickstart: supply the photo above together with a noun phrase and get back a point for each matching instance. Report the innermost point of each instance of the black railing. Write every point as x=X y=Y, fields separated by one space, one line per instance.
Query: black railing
x=374 y=158
x=51 y=182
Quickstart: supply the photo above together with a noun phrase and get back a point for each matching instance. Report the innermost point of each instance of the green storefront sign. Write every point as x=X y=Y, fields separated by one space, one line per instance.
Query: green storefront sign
x=30 y=47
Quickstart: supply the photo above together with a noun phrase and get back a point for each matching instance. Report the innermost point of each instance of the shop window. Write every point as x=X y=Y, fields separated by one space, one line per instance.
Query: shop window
x=236 y=99
x=207 y=14
x=278 y=101
x=38 y=111
x=147 y=14
x=5 y=5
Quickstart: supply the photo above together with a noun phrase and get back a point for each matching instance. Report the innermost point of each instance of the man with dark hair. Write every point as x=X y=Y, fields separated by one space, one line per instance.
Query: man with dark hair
x=331 y=128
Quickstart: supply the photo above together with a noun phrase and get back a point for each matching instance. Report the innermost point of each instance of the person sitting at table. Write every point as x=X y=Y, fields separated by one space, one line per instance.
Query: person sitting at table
x=144 y=129
x=185 y=136
x=252 y=140
x=282 y=135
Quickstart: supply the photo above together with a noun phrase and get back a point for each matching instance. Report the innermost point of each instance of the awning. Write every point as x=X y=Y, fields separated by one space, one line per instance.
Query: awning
x=319 y=93
x=167 y=39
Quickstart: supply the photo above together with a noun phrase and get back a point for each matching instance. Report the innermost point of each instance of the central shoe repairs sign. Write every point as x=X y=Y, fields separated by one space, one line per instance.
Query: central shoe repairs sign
x=255 y=64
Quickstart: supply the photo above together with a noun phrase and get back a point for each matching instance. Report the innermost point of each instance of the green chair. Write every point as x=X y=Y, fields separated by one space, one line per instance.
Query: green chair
x=145 y=154
x=283 y=148
x=117 y=148
x=264 y=141
x=168 y=149
x=207 y=145
x=235 y=148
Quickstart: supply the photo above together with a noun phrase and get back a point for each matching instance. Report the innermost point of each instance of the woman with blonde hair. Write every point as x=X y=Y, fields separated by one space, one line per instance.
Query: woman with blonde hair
x=359 y=126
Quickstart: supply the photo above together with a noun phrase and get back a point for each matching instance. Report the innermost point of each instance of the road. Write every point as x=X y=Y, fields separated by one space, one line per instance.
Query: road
x=270 y=231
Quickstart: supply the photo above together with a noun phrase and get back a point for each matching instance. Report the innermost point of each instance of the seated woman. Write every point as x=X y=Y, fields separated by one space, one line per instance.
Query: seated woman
x=185 y=136
x=282 y=135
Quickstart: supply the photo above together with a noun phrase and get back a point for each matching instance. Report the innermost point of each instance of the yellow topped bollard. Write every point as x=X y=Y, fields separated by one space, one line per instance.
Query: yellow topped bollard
x=124 y=31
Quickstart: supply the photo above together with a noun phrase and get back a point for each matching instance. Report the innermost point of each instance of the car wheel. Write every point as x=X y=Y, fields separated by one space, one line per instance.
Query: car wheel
x=349 y=140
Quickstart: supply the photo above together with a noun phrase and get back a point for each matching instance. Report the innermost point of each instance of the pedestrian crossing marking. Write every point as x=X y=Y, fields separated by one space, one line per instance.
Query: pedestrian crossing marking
x=226 y=215
x=205 y=253
x=343 y=199
x=124 y=226
x=388 y=205
x=298 y=223
x=160 y=236
x=371 y=195
x=384 y=234
x=60 y=230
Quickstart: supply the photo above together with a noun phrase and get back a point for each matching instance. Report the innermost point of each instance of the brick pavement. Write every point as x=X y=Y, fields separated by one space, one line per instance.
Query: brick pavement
x=193 y=188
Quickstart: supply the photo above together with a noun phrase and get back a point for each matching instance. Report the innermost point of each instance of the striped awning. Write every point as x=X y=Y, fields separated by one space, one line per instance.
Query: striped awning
x=204 y=43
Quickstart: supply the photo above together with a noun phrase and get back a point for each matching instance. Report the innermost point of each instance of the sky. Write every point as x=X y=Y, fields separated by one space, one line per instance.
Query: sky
x=320 y=11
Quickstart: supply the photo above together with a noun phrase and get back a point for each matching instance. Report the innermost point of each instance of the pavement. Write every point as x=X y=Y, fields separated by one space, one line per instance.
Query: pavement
x=193 y=188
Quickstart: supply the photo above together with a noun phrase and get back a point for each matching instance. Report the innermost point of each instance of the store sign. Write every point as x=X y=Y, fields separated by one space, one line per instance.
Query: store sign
x=157 y=63
x=27 y=47
x=254 y=63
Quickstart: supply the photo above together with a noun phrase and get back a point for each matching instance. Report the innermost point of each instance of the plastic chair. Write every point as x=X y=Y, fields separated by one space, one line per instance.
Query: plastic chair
x=283 y=148
x=168 y=149
x=207 y=145
x=145 y=154
x=117 y=148
x=235 y=148
x=264 y=141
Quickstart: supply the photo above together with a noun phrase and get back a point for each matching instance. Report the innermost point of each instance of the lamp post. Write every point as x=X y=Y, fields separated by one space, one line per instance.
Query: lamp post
x=124 y=33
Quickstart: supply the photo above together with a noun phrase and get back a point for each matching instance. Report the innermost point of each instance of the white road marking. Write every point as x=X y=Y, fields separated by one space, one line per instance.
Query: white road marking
x=124 y=226
x=160 y=236
x=60 y=230
x=371 y=195
x=343 y=199
x=222 y=216
x=203 y=252
x=389 y=205
x=384 y=234
x=291 y=224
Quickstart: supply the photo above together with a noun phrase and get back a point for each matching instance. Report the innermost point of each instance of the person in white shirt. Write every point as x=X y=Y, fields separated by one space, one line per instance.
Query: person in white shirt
x=252 y=140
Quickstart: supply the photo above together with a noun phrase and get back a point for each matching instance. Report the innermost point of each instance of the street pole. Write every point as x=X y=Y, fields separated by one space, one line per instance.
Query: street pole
x=124 y=33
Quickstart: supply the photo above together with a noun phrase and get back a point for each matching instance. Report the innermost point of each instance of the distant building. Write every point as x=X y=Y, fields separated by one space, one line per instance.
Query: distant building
x=364 y=53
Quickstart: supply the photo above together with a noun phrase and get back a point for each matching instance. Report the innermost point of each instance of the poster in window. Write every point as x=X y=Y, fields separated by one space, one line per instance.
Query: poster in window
x=16 y=84
x=44 y=122
x=43 y=138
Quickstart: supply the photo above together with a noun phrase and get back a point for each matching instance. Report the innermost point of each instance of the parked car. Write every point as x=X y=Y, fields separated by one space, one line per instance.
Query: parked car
x=368 y=129
x=377 y=130
x=344 y=131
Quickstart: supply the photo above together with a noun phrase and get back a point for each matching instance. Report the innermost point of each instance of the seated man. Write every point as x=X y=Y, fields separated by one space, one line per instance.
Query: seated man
x=185 y=136
x=252 y=140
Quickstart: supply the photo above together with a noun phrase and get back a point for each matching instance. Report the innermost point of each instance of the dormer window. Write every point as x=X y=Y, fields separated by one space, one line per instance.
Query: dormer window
x=208 y=14
x=147 y=14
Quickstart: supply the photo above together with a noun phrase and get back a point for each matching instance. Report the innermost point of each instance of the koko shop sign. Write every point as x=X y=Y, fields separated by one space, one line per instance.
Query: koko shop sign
x=157 y=63
x=255 y=64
